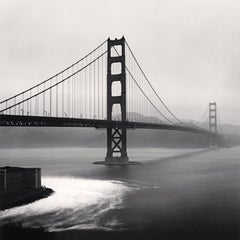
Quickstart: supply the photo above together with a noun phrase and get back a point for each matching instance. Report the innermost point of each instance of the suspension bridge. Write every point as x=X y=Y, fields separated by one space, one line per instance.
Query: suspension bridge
x=107 y=89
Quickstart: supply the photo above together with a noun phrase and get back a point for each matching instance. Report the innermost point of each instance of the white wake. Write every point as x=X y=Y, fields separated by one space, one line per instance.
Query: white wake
x=76 y=204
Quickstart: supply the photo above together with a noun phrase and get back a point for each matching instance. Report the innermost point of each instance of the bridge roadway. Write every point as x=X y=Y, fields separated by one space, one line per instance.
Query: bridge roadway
x=33 y=121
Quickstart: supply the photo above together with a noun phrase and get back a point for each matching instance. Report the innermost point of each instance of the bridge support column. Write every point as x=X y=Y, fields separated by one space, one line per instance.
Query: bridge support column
x=213 y=141
x=116 y=133
x=116 y=136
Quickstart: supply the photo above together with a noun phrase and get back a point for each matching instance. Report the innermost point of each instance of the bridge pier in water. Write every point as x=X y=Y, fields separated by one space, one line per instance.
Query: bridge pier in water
x=213 y=139
x=116 y=135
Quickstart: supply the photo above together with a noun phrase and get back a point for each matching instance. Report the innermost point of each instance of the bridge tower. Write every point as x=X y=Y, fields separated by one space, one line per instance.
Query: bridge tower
x=213 y=141
x=116 y=136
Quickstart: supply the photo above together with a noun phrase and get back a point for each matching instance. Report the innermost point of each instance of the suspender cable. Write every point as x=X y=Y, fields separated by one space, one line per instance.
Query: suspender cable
x=56 y=96
x=68 y=96
x=102 y=85
x=152 y=86
x=44 y=99
x=35 y=86
x=98 y=89
x=82 y=91
x=62 y=96
x=149 y=99
x=76 y=93
x=53 y=86
x=37 y=101
x=94 y=87
x=90 y=88
x=30 y=103
x=15 y=107
x=72 y=90
x=50 y=99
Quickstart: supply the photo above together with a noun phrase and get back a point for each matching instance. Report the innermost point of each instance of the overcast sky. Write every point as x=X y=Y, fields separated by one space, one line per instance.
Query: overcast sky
x=189 y=49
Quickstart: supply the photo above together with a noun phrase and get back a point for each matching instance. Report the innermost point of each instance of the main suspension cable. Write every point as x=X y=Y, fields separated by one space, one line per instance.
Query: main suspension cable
x=54 y=85
x=174 y=116
x=39 y=84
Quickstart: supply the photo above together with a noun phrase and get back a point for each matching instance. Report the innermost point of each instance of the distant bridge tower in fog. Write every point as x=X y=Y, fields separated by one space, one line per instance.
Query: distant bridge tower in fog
x=213 y=139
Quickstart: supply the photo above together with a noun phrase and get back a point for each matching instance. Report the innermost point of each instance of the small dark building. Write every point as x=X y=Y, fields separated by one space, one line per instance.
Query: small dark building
x=17 y=178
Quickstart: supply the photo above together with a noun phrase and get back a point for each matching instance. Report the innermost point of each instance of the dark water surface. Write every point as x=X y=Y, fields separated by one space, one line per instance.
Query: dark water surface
x=174 y=194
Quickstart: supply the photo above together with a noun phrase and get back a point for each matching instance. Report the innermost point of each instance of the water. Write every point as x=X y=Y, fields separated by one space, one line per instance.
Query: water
x=191 y=192
x=77 y=204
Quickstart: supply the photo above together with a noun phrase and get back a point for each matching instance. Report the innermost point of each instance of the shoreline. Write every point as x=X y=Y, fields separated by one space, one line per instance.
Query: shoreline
x=27 y=198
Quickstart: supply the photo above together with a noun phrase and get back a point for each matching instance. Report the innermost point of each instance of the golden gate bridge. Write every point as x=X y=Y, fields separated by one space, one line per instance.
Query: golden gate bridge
x=107 y=89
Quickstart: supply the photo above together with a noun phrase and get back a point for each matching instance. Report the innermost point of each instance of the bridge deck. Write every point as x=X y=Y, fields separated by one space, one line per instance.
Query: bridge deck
x=33 y=121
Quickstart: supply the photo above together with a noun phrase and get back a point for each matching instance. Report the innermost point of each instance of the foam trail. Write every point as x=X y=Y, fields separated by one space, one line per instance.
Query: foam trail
x=76 y=204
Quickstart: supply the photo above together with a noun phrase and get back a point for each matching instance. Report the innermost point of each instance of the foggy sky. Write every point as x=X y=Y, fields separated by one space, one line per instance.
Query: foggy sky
x=189 y=49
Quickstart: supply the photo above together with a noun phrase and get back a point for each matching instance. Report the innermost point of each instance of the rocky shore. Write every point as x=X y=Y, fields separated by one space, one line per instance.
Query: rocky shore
x=22 y=197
